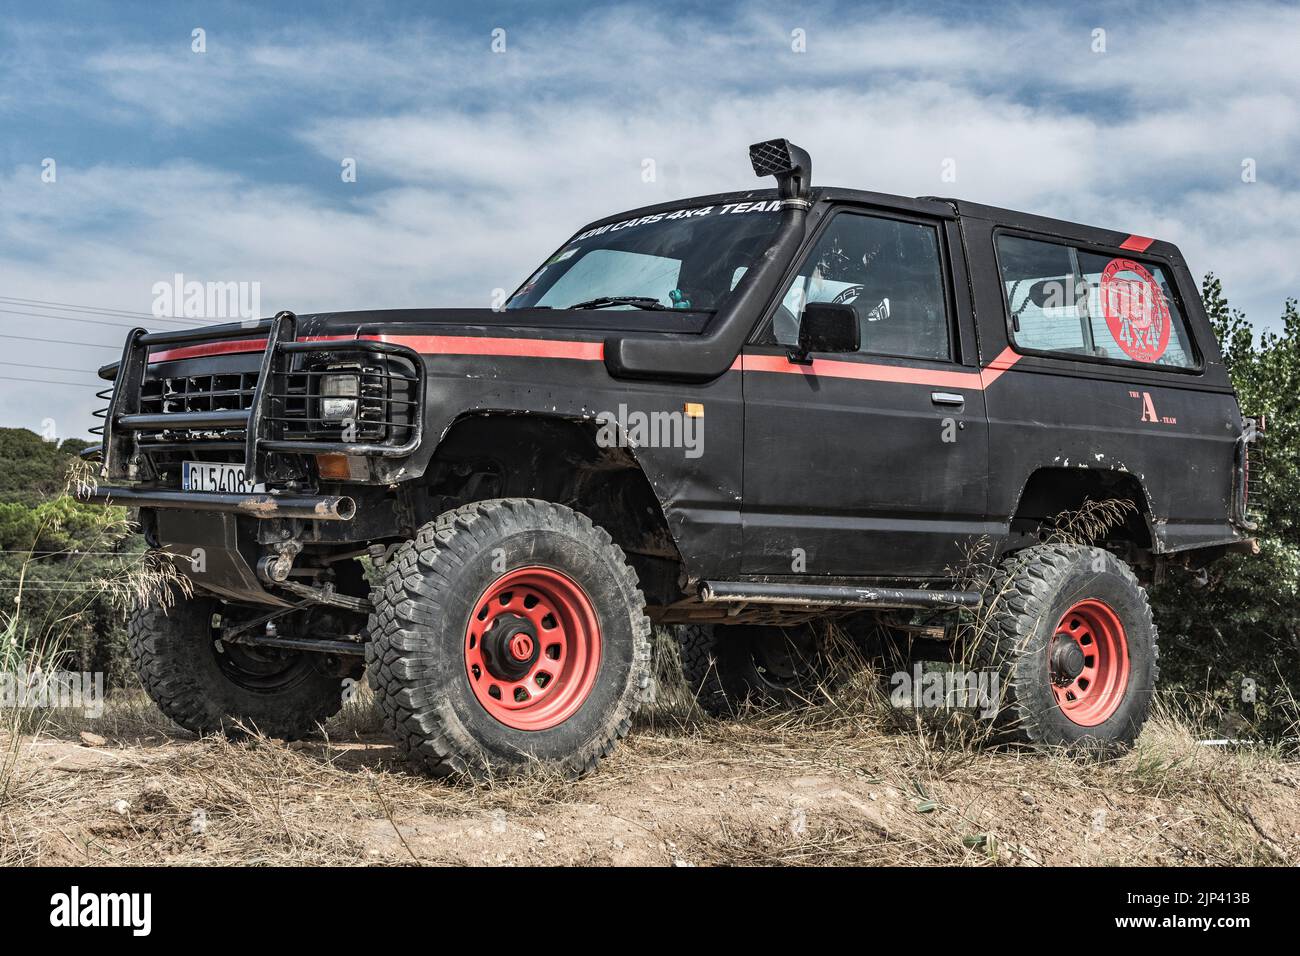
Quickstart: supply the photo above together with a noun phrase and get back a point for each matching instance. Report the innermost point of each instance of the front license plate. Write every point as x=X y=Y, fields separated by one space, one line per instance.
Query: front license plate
x=210 y=476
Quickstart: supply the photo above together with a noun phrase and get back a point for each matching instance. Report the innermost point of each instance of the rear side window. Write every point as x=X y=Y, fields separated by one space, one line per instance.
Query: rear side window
x=1085 y=305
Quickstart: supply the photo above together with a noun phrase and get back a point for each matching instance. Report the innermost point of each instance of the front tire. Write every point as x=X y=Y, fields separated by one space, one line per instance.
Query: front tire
x=210 y=687
x=1070 y=631
x=509 y=634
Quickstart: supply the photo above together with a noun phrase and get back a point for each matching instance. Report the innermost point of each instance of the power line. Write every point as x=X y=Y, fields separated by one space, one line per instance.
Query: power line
x=71 y=589
x=93 y=310
x=68 y=306
x=112 y=313
x=110 y=324
x=46 y=381
x=70 y=318
x=73 y=554
x=51 y=368
x=29 y=338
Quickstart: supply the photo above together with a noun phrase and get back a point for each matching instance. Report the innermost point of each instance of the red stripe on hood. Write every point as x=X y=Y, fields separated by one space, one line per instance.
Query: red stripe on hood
x=595 y=352
x=425 y=344
x=510 y=347
x=230 y=347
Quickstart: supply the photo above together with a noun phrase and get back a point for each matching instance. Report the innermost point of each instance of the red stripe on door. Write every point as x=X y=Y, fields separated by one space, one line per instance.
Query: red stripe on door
x=868 y=372
x=993 y=371
x=833 y=368
x=1136 y=243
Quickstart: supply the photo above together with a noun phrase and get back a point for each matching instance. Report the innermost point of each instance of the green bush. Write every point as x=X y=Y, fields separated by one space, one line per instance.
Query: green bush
x=59 y=560
x=1244 y=623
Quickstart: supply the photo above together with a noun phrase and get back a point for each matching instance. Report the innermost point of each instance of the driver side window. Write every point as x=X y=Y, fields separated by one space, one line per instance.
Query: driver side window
x=889 y=271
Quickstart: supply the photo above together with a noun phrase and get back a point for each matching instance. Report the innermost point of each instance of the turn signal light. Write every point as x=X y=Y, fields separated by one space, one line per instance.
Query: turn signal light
x=342 y=467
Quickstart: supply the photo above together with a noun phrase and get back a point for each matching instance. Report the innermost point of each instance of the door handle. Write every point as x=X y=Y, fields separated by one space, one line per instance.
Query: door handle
x=947 y=398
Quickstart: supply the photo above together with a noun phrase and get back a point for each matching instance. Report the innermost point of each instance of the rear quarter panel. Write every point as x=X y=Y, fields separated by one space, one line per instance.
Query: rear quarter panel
x=1174 y=431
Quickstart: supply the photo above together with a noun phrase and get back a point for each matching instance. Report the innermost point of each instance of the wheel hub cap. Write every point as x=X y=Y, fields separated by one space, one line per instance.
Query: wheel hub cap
x=1067 y=660
x=1088 y=663
x=509 y=647
x=532 y=648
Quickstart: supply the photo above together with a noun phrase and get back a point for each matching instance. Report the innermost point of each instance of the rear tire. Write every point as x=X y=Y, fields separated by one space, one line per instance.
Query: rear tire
x=509 y=634
x=1070 y=631
x=764 y=665
x=210 y=687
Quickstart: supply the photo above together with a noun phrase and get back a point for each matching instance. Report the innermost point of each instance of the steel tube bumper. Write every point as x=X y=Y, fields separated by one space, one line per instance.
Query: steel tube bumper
x=312 y=507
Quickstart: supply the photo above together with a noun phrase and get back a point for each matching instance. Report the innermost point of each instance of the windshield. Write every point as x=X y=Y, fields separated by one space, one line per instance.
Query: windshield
x=688 y=258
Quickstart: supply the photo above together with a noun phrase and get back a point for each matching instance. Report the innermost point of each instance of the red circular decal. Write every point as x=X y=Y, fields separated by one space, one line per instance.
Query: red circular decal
x=1136 y=312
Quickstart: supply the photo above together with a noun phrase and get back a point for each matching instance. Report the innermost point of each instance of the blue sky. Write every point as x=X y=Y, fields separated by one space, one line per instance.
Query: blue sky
x=472 y=165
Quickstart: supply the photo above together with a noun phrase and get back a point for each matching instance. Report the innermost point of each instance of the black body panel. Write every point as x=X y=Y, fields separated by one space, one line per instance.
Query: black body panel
x=1054 y=413
x=843 y=460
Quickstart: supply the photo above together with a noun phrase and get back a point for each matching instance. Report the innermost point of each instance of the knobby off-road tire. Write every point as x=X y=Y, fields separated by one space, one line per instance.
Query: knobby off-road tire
x=1070 y=631
x=763 y=665
x=509 y=634
x=210 y=687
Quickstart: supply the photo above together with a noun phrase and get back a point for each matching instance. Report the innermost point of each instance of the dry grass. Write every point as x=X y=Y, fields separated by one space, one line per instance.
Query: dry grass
x=32 y=643
x=846 y=780
x=837 y=783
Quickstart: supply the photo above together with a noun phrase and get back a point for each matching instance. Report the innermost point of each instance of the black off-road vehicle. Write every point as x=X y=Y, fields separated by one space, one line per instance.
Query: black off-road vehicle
x=735 y=414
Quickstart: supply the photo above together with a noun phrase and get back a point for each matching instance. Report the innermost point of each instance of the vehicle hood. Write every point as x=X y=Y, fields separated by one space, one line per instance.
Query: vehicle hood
x=525 y=321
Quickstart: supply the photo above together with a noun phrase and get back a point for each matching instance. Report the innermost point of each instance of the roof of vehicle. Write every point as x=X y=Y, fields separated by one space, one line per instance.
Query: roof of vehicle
x=940 y=207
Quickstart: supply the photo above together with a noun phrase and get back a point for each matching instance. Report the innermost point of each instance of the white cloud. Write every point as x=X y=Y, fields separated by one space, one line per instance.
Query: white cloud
x=473 y=166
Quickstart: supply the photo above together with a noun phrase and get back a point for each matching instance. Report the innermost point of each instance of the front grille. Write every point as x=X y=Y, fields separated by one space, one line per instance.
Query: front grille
x=199 y=393
x=173 y=394
x=220 y=408
x=389 y=395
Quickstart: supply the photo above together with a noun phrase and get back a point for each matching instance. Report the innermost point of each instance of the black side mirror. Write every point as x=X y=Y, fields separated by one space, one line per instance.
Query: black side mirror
x=827 y=327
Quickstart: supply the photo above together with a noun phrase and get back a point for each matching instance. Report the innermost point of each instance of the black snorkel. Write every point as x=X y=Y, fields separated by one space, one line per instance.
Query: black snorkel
x=699 y=358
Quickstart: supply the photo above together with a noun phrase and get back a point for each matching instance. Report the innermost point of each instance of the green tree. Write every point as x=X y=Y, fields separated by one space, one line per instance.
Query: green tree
x=54 y=554
x=1244 y=622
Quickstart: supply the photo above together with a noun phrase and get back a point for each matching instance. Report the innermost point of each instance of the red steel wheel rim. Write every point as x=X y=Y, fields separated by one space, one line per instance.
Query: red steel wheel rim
x=532 y=648
x=1091 y=696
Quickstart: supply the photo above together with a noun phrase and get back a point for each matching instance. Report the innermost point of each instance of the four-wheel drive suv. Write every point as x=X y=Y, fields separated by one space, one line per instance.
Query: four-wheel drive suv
x=736 y=414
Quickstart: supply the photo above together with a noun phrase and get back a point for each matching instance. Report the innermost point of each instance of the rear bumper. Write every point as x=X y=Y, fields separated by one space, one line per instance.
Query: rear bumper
x=313 y=507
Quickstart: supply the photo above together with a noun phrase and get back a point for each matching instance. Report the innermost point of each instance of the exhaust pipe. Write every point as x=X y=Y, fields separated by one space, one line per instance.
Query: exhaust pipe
x=311 y=507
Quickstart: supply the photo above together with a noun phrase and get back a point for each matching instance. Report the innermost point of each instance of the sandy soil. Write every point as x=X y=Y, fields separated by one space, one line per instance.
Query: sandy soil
x=683 y=790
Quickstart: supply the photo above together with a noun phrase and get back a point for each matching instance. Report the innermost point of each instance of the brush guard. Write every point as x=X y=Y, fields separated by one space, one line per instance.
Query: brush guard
x=265 y=421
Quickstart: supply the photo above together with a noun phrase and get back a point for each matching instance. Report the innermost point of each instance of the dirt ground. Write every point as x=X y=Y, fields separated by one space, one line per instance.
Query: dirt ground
x=683 y=790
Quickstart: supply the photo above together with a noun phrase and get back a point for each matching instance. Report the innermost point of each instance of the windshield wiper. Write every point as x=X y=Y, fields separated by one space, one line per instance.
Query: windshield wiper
x=605 y=301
